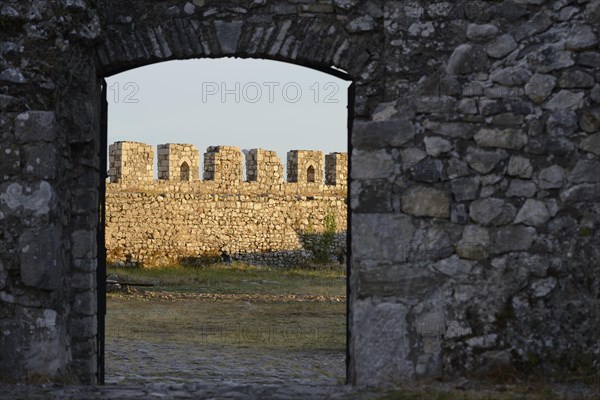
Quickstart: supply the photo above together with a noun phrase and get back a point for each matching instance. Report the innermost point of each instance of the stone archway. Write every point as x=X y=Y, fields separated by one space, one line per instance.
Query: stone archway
x=159 y=41
x=473 y=172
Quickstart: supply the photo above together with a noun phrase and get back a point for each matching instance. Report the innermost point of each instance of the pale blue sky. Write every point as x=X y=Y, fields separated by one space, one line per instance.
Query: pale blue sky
x=235 y=102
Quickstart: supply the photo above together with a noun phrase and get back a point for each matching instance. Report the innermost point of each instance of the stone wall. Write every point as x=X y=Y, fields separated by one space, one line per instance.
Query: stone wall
x=474 y=197
x=261 y=220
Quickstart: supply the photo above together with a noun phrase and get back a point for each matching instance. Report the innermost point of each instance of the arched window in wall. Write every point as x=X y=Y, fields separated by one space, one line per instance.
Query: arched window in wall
x=184 y=171
x=310 y=174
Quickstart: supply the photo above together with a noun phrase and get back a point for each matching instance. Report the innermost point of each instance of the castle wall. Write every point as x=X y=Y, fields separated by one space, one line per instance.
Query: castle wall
x=261 y=220
x=167 y=224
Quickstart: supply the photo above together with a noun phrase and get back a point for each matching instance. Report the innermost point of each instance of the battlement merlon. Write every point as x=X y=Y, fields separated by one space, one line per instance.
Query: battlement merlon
x=223 y=164
x=132 y=162
x=305 y=166
x=336 y=169
x=263 y=166
x=178 y=162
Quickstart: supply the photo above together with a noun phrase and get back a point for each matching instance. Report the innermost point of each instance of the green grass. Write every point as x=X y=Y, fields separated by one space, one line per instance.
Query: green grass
x=239 y=279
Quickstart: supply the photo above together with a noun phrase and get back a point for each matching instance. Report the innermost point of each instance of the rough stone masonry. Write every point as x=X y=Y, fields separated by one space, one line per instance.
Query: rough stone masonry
x=473 y=187
x=262 y=219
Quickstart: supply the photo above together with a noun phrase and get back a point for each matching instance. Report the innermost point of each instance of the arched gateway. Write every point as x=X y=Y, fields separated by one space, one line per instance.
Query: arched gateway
x=473 y=185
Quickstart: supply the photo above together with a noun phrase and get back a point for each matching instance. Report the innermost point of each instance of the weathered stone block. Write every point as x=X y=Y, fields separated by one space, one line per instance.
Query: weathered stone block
x=380 y=345
x=474 y=243
x=83 y=244
x=32 y=126
x=591 y=144
x=585 y=171
x=40 y=257
x=511 y=238
x=424 y=201
x=540 y=87
x=372 y=164
x=502 y=46
x=521 y=188
x=552 y=177
x=228 y=34
x=504 y=138
x=492 y=211
x=465 y=188
x=374 y=135
x=381 y=236
x=533 y=213
x=372 y=196
x=565 y=100
x=86 y=303
x=520 y=166
x=434 y=146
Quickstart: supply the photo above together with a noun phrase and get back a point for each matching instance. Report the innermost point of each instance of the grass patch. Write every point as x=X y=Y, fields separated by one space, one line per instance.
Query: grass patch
x=306 y=326
x=239 y=279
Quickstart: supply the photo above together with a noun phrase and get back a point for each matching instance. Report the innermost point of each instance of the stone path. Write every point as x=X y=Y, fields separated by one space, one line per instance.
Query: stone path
x=141 y=362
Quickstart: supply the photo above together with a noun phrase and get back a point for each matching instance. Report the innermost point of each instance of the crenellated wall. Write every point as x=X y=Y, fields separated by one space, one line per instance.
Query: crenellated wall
x=261 y=220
